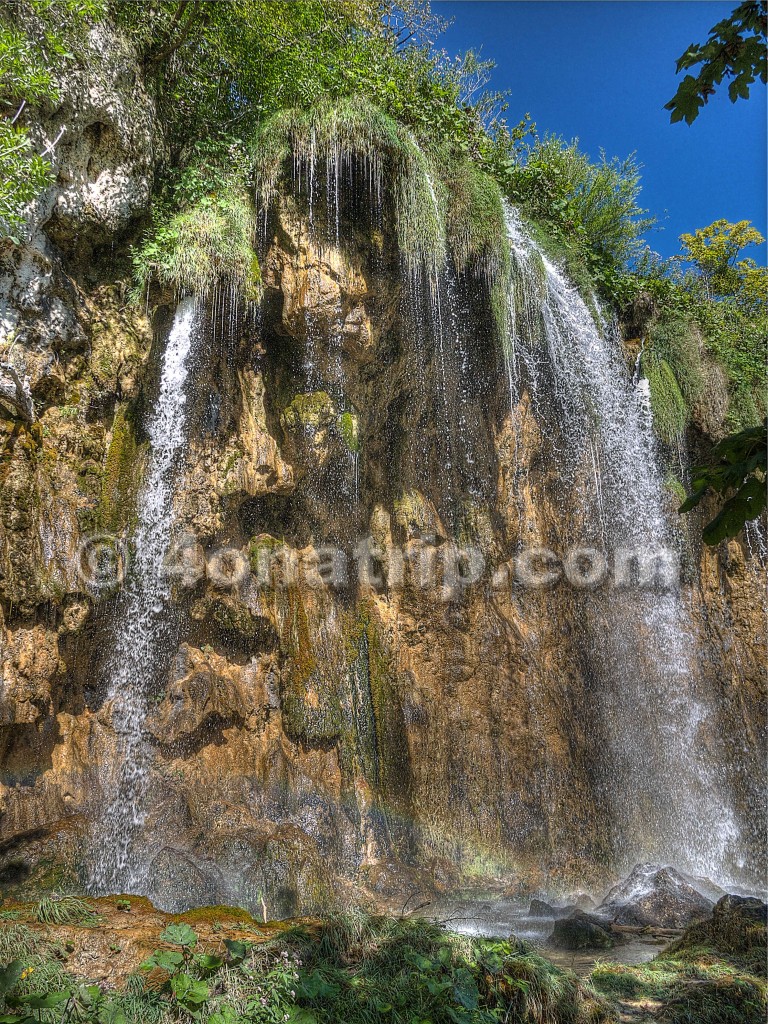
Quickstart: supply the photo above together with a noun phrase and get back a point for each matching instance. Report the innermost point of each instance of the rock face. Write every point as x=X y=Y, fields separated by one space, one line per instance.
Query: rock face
x=359 y=699
x=655 y=896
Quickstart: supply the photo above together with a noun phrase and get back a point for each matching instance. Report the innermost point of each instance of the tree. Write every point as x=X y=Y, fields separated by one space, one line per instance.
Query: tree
x=715 y=251
x=34 y=38
x=736 y=49
x=738 y=470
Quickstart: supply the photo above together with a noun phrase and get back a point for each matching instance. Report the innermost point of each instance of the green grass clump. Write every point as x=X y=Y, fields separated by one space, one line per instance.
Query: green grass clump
x=719 y=1001
x=475 y=221
x=204 y=247
x=673 y=339
x=65 y=910
x=670 y=410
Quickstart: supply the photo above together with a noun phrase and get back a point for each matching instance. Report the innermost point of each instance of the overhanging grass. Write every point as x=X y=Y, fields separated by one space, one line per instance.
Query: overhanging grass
x=439 y=198
x=202 y=248
x=669 y=407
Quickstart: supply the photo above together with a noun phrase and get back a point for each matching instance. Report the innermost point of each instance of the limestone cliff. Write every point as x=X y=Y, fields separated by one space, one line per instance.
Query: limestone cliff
x=315 y=739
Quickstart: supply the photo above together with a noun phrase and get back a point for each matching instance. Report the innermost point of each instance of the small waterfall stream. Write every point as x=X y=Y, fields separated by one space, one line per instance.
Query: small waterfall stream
x=143 y=619
x=658 y=778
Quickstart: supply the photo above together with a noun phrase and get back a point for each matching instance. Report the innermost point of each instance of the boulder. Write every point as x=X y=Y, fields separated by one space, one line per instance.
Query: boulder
x=738 y=925
x=539 y=908
x=581 y=931
x=654 y=896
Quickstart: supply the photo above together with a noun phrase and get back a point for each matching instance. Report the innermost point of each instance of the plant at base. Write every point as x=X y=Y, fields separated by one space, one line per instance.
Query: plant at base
x=65 y=910
x=738 y=469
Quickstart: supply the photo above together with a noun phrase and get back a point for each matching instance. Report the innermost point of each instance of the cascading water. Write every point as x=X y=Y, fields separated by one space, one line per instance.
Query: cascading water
x=658 y=778
x=143 y=621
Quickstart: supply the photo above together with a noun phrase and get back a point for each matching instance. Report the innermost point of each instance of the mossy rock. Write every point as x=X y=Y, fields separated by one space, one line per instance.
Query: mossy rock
x=581 y=931
x=263 y=550
x=311 y=411
x=214 y=914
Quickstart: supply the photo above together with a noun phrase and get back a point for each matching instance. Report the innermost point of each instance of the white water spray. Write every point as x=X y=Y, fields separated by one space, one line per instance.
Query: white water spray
x=143 y=620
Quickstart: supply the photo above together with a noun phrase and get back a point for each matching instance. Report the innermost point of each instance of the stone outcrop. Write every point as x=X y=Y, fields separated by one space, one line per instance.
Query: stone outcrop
x=655 y=896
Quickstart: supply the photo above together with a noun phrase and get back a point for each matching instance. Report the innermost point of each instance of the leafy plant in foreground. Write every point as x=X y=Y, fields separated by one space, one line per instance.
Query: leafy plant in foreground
x=738 y=468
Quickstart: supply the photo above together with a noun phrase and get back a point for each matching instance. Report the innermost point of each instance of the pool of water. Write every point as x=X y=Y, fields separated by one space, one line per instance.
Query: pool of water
x=486 y=915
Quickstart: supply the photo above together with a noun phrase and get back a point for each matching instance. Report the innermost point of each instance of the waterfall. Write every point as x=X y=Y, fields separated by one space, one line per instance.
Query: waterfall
x=143 y=622
x=658 y=777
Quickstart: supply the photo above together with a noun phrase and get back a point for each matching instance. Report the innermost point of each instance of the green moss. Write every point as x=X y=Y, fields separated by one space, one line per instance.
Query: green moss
x=673 y=339
x=207 y=246
x=475 y=222
x=210 y=915
x=348 y=429
x=262 y=550
x=355 y=127
x=312 y=410
x=670 y=411
x=119 y=481
x=309 y=698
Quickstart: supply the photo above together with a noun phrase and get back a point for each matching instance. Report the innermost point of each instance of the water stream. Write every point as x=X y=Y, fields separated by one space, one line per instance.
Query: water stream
x=659 y=774
x=143 y=621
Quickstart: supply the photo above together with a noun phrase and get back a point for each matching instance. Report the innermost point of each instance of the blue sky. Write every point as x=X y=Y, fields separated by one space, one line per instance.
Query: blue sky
x=602 y=72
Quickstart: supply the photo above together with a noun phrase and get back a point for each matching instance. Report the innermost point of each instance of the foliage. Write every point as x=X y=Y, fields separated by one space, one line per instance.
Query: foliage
x=353 y=968
x=202 y=236
x=735 y=49
x=670 y=412
x=737 y=470
x=356 y=129
x=714 y=251
x=591 y=204
x=35 y=36
x=65 y=910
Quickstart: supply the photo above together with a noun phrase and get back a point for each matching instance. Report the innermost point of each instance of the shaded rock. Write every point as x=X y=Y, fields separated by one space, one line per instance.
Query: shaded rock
x=657 y=897
x=539 y=908
x=581 y=931
x=583 y=901
x=205 y=689
x=178 y=882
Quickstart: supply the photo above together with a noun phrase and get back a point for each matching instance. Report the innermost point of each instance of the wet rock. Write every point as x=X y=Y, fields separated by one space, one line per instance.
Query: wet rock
x=178 y=882
x=205 y=688
x=539 y=908
x=657 y=897
x=581 y=931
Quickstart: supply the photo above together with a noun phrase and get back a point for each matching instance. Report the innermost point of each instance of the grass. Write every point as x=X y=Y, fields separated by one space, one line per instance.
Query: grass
x=353 y=968
x=65 y=910
x=714 y=974
x=440 y=200
x=203 y=248
x=670 y=410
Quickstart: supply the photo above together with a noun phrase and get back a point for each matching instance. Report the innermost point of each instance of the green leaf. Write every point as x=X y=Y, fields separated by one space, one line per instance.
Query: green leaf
x=189 y=992
x=42 y=1001
x=207 y=962
x=465 y=990
x=179 y=935
x=237 y=950
x=166 y=959
x=9 y=975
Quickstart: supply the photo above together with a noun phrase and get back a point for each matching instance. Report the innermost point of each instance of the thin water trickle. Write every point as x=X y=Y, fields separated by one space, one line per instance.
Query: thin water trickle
x=143 y=620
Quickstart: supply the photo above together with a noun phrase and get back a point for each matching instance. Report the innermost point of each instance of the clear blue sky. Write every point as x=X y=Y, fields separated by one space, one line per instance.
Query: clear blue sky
x=602 y=72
